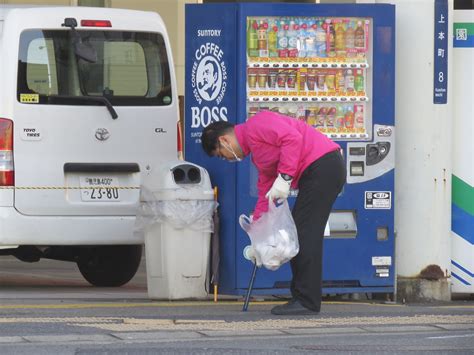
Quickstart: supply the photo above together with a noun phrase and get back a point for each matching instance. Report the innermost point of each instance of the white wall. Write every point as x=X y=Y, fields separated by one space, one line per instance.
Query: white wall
x=423 y=149
x=172 y=12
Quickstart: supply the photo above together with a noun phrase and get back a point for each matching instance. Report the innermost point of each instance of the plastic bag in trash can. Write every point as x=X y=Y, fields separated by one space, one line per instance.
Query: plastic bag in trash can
x=190 y=214
x=273 y=236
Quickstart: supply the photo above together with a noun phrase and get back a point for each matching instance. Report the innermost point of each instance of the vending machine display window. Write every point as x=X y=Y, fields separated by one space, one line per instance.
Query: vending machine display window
x=315 y=69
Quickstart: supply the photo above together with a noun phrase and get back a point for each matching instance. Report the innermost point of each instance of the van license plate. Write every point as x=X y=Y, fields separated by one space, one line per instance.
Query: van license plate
x=99 y=189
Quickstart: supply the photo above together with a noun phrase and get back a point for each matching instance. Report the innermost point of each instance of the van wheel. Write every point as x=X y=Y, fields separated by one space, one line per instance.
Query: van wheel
x=110 y=266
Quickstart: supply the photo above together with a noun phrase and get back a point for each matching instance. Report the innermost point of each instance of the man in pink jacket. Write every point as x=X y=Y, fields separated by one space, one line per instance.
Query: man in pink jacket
x=288 y=153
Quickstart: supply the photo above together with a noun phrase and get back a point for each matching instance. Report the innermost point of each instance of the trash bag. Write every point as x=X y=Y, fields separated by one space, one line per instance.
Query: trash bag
x=273 y=236
x=179 y=213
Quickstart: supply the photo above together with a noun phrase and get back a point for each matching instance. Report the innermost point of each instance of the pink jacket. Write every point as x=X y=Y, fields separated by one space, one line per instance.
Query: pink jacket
x=279 y=144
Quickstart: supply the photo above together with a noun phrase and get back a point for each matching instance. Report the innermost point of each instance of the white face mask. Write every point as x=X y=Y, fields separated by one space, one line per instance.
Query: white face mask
x=229 y=149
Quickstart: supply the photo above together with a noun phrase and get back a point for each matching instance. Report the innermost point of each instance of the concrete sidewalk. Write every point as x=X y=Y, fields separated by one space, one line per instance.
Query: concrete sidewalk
x=50 y=309
x=111 y=323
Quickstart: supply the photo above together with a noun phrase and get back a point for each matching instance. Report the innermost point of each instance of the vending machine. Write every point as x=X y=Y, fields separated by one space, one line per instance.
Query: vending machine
x=331 y=66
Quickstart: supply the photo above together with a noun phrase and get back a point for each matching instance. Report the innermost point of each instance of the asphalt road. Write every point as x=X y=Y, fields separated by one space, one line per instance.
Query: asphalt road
x=46 y=308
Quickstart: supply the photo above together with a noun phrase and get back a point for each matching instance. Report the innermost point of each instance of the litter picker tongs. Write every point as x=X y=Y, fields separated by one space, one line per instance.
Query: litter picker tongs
x=247 y=252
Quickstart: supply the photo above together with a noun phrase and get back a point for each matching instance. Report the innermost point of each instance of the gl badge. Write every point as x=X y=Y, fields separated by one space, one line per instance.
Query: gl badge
x=102 y=134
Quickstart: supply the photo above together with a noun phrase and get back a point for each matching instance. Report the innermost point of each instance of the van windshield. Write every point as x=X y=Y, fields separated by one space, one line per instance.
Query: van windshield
x=131 y=68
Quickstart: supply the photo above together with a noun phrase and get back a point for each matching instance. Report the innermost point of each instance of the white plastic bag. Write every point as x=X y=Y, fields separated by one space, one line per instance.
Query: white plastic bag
x=273 y=236
x=190 y=214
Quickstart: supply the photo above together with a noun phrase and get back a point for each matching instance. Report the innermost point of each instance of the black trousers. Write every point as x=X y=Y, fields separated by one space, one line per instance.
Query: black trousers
x=318 y=186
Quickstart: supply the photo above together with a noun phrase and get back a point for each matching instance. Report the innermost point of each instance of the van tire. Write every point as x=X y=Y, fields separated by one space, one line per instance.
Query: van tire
x=110 y=266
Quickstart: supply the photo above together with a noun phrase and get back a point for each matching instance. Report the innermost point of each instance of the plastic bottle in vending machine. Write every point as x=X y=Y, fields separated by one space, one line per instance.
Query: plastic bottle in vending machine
x=282 y=40
x=320 y=41
x=262 y=36
x=293 y=111
x=340 y=121
x=292 y=34
x=302 y=33
x=359 y=81
x=340 y=40
x=340 y=81
x=359 y=38
x=349 y=118
x=350 y=39
x=349 y=81
x=252 y=38
x=301 y=114
x=311 y=39
x=273 y=40
x=332 y=39
x=359 y=116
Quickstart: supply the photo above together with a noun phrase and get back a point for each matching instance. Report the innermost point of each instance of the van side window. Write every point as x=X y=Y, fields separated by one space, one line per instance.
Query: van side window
x=41 y=69
x=131 y=68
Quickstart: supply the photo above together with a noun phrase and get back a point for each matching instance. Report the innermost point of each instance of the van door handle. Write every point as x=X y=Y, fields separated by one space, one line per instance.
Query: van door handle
x=101 y=168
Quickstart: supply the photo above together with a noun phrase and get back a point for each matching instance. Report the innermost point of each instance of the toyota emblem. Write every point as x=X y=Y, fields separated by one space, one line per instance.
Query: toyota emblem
x=102 y=134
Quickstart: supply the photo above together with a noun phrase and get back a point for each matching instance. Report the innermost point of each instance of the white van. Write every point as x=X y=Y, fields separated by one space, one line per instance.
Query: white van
x=88 y=111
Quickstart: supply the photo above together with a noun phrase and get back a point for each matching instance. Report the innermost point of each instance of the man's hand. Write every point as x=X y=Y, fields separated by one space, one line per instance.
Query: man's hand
x=280 y=188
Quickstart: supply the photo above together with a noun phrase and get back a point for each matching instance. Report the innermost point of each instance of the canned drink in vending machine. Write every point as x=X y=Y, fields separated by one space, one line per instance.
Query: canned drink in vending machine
x=291 y=80
x=262 y=78
x=253 y=110
x=331 y=117
x=311 y=115
x=251 y=78
x=321 y=80
x=281 y=79
x=331 y=81
x=302 y=80
x=321 y=117
x=311 y=81
x=272 y=79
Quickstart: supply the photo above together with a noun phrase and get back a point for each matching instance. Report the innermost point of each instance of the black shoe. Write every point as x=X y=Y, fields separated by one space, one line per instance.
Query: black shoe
x=293 y=308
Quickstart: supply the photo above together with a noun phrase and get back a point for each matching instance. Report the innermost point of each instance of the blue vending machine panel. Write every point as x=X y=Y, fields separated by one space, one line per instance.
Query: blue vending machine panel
x=330 y=65
x=211 y=76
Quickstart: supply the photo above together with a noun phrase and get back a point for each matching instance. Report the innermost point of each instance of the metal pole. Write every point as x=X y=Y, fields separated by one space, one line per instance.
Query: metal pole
x=249 y=290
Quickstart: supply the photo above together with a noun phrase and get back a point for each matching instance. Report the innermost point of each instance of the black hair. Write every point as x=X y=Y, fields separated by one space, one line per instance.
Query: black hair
x=210 y=135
